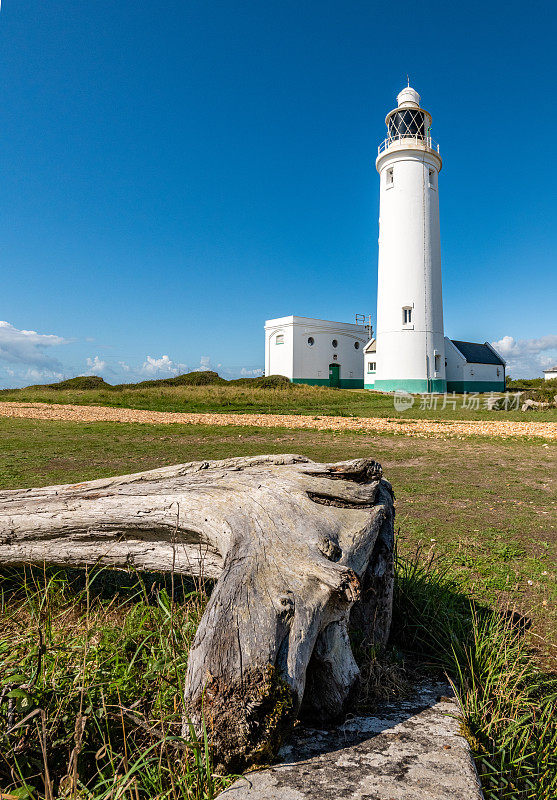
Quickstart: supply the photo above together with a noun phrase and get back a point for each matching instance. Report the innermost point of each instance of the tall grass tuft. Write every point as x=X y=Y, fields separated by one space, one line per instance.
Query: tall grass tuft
x=91 y=671
x=508 y=701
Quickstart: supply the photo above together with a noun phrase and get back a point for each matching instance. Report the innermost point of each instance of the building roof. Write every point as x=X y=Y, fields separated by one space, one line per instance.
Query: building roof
x=370 y=347
x=348 y=327
x=551 y=369
x=476 y=353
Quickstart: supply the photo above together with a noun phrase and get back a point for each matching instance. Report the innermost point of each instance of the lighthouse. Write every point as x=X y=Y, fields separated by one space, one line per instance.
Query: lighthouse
x=410 y=346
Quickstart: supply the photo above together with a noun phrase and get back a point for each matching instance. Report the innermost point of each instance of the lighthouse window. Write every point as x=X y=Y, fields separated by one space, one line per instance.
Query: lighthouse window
x=334 y=343
x=280 y=338
x=311 y=341
x=390 y=176
x=406 y=315
x=357 y=347
x=432 y=179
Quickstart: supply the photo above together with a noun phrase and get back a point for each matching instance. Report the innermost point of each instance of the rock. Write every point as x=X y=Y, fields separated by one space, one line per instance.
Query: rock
x=410 y=750
x=529 y=404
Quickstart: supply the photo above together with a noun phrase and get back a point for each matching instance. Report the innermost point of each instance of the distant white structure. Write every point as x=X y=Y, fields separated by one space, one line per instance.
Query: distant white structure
x=316 y=351
x=550 y=374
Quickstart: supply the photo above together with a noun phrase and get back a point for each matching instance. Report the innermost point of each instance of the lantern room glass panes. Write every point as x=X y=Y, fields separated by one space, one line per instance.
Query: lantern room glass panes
x=407 y=123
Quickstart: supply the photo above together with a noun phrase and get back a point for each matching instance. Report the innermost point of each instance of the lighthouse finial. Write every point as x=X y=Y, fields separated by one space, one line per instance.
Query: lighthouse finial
x=407 y=80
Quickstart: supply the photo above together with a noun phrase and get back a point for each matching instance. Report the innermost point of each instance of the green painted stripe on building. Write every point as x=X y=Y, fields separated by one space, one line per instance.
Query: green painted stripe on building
x=311 y=381
x=412 y=385
x=475 y=386
x=345 y=383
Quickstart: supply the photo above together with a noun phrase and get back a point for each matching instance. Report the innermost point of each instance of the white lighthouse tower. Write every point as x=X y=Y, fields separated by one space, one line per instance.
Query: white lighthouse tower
x=410 y=339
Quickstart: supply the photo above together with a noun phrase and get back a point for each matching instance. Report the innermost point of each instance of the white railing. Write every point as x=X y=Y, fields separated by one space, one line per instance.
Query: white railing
x=426 y=141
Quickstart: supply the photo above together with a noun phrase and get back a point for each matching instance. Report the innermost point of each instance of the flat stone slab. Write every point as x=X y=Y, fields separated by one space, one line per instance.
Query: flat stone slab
x=410 y=750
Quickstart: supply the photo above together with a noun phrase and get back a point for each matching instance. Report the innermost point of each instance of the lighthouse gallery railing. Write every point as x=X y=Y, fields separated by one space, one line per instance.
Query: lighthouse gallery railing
x=426 y=141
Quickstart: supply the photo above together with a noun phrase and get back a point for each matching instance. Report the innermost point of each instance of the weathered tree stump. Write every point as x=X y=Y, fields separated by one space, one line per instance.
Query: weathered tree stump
x=301 y=552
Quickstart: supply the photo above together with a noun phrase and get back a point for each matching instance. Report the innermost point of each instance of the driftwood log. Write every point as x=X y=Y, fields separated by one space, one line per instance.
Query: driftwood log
x=302 y=553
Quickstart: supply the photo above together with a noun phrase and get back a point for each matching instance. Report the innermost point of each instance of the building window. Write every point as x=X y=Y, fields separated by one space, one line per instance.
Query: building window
x=371 y=366
x=406 y=315
x=390 y=177
x=432 y=179
x=279 y=338
x=311 y=341
x=334 y=343
x=356 y=345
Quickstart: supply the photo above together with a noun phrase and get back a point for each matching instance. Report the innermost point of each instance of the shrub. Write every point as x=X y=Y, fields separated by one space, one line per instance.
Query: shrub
x=81 y=382
x=265 y=382
x=200 y=378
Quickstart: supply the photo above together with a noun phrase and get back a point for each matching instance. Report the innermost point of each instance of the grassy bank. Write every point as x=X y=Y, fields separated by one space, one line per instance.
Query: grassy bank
x=291 y=399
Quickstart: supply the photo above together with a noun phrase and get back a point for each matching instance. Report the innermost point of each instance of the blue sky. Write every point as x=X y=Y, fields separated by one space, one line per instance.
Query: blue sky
x=174 y=173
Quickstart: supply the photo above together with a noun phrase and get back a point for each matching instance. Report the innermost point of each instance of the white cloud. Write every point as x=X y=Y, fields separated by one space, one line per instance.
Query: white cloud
x=527 y=358
x=96 y=365
x=125 y=367
x=204 y=363
x=33 y=374
x=241 y=372
x=28 y=347
x=162 y=366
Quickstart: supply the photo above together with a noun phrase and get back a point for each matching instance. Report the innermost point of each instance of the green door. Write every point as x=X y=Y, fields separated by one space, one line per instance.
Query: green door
x=334 y=375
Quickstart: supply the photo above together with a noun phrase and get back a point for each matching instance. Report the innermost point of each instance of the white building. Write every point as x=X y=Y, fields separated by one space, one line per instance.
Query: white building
x=316 y=351
x=411 y=351
x=550 y=374
x=469 y=367
x=472 y=367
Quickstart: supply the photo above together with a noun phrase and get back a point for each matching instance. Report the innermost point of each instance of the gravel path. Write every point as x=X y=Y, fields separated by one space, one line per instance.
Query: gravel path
x=408 y=427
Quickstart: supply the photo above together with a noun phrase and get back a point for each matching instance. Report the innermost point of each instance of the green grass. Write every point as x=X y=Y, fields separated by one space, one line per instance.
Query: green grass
x=488 y=506
x=508 y=700
x=290 y=399
x=482 y=510
x=91 y=671
x=92 y=667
